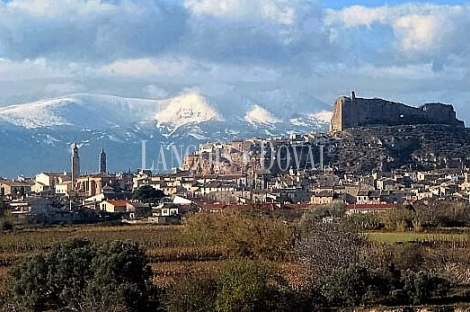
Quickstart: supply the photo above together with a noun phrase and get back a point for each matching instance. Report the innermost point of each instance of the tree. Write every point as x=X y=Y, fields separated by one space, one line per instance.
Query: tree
x=147 y=194
x=79 y=275
x=334 y=210
x=28 y=286
x=7 y=225
x=121 y=271
x=326 y=247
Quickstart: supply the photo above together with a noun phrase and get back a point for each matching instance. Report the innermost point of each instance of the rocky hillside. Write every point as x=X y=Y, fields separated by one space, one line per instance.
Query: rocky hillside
x=414 y=146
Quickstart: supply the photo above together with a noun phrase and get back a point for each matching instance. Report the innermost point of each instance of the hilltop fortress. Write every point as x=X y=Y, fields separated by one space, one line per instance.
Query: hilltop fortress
x=353 y=112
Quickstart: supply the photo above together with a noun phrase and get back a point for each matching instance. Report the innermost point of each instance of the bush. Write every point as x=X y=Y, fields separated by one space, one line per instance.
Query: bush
x=354 y=286
x=400 y=219
x=193 y=293
x=422 y=286
x=246 y=286
x=409 y=256
x=7 y=225
x=81 y=276
x=246 y=234
x=240 y=285
x=335 y=210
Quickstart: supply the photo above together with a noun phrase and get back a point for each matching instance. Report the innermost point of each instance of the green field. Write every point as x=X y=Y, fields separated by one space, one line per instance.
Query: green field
x=396 y=237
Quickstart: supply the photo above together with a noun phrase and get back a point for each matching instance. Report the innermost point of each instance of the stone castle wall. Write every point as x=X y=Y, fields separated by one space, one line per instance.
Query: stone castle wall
x=352 y=112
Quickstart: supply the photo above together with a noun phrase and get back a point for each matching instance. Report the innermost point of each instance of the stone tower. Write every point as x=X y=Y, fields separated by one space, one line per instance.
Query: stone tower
x=75 y=162
x=103 y=161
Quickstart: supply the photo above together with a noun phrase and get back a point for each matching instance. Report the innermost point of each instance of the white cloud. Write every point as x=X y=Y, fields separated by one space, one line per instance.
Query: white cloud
x=357 y=16
x=138 y=68
x=28 y=69
x=225 y=47
x=50 y=8
x=88 y=30
x=155 y=92
x=279 y=11
x=417 y=27
x=417 y=32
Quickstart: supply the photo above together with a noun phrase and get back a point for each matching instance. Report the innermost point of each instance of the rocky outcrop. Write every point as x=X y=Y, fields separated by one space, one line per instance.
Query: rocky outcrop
x=421 y=147
x=353 y=112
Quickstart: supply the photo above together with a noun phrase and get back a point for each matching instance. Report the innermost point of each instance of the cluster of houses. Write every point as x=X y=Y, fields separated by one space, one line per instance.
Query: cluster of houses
x=232 y=181
x=46 y=199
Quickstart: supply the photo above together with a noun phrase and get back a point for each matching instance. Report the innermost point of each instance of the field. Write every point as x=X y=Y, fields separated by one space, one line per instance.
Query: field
x=404 y=237
x=170 y=250
x=173 y=251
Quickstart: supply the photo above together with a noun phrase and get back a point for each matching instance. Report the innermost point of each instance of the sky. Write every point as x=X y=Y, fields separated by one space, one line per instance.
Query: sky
x=292 y=50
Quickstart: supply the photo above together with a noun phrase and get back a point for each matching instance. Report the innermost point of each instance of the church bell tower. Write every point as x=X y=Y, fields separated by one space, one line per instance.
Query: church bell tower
x=103 y=161
x=75 y=165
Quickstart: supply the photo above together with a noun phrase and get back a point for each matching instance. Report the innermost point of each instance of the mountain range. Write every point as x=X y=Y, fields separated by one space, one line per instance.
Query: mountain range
x=37 y=136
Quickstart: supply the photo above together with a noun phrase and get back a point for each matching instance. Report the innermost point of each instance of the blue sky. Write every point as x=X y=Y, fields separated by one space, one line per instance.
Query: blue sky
x=275 y=53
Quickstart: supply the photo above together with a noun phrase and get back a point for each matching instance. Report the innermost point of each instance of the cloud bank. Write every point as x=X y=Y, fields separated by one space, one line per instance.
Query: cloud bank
x=296 y=53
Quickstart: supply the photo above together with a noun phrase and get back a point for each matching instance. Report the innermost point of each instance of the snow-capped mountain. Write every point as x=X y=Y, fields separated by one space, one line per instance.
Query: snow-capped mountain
x=83 y=111
x=186 y=109
x=259 y=115
x=38 y=134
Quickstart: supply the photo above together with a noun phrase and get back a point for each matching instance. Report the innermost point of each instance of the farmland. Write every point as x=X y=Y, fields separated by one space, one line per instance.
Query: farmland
x=201 y=248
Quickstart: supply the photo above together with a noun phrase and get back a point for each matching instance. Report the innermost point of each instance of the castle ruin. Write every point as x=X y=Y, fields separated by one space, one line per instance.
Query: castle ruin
x=353 y=112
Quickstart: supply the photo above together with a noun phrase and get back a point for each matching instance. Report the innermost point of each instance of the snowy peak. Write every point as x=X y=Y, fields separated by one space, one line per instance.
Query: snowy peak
x=80 y=110
x=186 y=109
x=104 y=112
x=259 y=115
x=36 y=115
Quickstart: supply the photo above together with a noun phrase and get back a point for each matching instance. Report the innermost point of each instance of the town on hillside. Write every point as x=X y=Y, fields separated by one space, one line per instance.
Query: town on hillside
x=291 y=177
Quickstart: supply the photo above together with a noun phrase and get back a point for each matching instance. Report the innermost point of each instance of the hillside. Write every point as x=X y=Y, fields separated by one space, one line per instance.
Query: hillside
x=415 y=146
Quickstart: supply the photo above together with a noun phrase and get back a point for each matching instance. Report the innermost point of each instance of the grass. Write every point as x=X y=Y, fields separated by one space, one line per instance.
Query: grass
x=404 y=237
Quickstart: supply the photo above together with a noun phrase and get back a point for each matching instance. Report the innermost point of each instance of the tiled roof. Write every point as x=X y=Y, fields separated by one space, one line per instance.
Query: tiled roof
x=119 y=202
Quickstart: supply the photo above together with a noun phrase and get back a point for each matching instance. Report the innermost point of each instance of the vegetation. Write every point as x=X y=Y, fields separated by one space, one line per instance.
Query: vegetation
x=6 y=225
x=78 y=275
x=147 y=194
x=236 y=261
x=247 y=234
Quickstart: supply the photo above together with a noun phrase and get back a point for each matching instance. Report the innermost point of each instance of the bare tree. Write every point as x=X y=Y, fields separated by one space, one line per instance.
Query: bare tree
x=327 y=247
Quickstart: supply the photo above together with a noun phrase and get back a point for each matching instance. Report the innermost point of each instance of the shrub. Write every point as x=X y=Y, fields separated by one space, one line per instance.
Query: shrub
x=409 y=256
x=246 y=286
x=246 y=234
x=7 y=225
x=81 y=276
x=192 y=293
x=327 y=247
x=421 y=286
x=354 y=286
